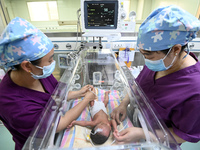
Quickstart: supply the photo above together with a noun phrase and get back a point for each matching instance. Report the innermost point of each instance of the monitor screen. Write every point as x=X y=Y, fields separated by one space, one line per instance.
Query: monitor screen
x=100 y=14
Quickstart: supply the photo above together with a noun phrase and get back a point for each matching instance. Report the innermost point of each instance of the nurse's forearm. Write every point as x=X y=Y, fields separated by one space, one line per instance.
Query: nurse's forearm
x=73 y=95
x=177 y=138
x=71 y=115
x=162 y=136
x=126 y=100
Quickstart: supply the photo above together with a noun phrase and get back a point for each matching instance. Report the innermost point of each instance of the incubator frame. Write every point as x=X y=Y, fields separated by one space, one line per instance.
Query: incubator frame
x=116 y=77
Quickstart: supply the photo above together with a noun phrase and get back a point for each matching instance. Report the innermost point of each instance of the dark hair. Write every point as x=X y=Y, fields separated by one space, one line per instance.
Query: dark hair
x=98 y=138
x=165 y=51
x=35 y=63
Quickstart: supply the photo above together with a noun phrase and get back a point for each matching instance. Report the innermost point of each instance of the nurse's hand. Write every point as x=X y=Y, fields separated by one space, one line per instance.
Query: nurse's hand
x=131 y=134
x=119 y=113
x=90 y=96
x=78 y=94
x=84 y=90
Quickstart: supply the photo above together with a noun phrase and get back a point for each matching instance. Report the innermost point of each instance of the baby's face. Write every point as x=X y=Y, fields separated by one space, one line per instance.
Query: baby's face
x=105 y=127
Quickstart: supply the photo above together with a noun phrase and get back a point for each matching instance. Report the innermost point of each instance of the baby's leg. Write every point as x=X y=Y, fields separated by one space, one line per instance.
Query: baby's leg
x=106 y=98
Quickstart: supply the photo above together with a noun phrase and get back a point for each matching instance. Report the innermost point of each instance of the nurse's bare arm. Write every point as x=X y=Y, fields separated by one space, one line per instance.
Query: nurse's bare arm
x=75 y=112
x=163 y=138
x=81 y=93
x=119 y=113
x=132 y=134
x=176 y=137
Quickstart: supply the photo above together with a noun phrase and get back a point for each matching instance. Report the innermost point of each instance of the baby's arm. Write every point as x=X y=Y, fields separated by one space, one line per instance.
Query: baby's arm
x=106 y=98
x=84 y=123
x=74 y=112
x=114 y=125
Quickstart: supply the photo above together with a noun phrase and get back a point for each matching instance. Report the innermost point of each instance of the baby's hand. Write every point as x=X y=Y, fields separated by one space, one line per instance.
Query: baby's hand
x=116 y=132
x=107 y=92
x=71 y=124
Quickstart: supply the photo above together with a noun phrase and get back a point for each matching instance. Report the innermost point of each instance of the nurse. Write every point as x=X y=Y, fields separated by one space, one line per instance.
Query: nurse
x=28 y=85
x=171 y=75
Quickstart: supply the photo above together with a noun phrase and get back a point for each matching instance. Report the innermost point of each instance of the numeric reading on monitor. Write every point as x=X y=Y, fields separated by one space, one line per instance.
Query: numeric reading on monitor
x=101 y=15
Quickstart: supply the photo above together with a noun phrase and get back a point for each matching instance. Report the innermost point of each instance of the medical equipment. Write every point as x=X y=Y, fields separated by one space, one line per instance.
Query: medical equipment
x=101 y=18
x=106 y=18
x=97 y=78
x=44 y=135
x=64 y=61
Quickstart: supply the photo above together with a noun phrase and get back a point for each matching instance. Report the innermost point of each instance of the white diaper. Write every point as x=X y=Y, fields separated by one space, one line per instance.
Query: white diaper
x=98 y=105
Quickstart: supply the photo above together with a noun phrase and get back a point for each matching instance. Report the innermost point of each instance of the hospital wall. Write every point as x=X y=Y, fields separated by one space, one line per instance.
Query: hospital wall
x=67 y=11
x=1 y=25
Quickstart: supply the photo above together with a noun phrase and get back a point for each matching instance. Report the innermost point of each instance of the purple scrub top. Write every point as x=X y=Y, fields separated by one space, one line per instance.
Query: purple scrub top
x=176 y=98
x=21 y=107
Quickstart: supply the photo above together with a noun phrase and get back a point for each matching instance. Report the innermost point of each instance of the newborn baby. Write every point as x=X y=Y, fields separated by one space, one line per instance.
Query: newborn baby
x=101 y=125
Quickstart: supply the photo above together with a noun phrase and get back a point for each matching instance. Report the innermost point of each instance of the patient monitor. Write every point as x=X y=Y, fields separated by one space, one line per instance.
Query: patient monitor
x=101 y=17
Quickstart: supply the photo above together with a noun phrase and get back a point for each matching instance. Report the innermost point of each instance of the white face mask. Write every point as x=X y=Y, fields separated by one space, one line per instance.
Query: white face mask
x=158 y=65
x=47 y=71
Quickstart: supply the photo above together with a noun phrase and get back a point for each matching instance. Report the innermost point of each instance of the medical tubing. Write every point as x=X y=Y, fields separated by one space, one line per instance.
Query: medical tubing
x=88 y=137
x=80 y=68
x=78 y=25
x=92 y=92
x=113 y=142
x=111 y=88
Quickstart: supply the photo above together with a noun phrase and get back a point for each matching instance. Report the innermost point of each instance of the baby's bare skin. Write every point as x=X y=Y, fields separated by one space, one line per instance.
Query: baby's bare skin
x=99 y=118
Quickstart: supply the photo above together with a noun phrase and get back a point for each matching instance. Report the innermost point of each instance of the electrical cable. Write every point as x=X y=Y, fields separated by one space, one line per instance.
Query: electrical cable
x=77 y=26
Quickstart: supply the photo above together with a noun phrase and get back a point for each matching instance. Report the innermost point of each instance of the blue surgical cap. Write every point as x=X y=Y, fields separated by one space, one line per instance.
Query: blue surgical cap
x=22 y=41
x=166 y=27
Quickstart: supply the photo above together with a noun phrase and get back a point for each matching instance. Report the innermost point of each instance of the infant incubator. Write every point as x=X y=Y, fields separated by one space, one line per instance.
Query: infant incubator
x=100 y=68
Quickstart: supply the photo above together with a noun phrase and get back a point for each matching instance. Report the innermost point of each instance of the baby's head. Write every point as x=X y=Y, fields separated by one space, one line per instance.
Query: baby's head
x=100 y=133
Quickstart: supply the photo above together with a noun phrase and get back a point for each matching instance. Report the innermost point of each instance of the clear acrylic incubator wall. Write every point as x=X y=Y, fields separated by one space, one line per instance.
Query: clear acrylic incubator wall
x=100 y=68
